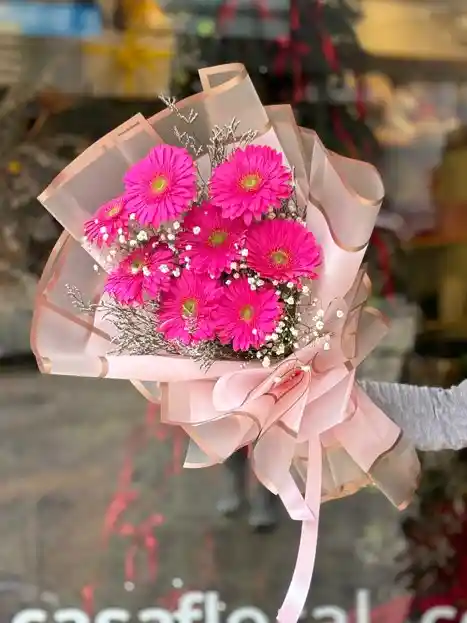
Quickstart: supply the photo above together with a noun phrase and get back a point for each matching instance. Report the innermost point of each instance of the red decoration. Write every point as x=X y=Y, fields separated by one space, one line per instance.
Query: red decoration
x=294 y=16
x=228 y=10
x=141 y=536
x=343 y=134
x=293 y=52
x=384 y=260
x=87 y=597
x=360 y=98
x=330 y=53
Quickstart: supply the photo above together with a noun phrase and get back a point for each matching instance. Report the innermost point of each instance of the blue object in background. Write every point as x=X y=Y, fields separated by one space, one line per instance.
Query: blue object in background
x=43 y=19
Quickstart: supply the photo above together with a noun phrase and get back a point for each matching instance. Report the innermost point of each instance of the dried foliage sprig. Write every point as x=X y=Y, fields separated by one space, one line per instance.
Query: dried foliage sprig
x=137 y=333
x=171 y=103
x=136 y=330
x=224 y=136
x=187 y=139
x=189 y=142
x=221 y=136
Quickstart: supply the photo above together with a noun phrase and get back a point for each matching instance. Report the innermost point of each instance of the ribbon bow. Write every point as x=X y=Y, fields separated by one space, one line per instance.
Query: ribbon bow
x=286 y=411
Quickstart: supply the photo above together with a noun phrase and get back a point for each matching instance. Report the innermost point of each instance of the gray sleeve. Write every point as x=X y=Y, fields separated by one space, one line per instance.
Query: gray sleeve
x=432 y=418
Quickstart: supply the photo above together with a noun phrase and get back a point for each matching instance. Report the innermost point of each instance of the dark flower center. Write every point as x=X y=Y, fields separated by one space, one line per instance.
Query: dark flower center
x=217 y=238
x=189 y=307
x=280 y=257
x=159 y=184
x=250 y=182
x=114 y=210
x=247 y=312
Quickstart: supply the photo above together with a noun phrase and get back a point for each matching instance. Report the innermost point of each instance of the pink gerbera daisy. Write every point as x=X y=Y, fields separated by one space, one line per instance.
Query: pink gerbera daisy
x=245 y=316
x=145 y=272
x=210 y=241
x=110 y=220
x=187 y=310
x=162 y=186
x=252 y=180
x=283 y=250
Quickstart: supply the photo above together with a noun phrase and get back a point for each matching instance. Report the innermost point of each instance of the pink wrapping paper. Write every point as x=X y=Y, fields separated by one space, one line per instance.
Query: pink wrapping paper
x=314 y=434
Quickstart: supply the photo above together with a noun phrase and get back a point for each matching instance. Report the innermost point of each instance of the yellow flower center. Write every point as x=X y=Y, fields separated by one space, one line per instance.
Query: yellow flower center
x=250 y=182
x=247 y=312
x=280 y=257
x=14 y=167
x=189 y=307
x=136 y=266
x=114 y=210
x=159 y=184
x=217 y=238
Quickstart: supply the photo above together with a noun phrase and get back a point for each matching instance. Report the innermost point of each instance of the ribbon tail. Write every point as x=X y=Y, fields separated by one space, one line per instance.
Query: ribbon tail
x=296 y=506
x=297 y=593
x=271 y=461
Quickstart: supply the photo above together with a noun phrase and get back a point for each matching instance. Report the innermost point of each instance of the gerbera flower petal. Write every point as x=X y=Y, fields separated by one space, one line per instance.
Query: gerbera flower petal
x=250 y=182
x=187 y=310
x=245 y=316
x=282 y=250
x=162 y=186
x=109 y=219
x=145 y=273
x=215 y=245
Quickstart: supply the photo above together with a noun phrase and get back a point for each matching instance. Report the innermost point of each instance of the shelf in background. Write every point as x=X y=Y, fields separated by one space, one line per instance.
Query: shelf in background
x=434 y=239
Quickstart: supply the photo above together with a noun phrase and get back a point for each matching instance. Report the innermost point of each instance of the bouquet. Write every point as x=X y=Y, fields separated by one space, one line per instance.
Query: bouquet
x=212 y=255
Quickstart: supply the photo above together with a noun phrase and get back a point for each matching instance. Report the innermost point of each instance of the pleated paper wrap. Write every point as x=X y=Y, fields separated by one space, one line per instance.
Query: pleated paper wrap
x=314 y=434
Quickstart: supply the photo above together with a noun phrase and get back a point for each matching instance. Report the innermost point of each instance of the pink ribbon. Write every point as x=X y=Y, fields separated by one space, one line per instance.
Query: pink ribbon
x=294 y=406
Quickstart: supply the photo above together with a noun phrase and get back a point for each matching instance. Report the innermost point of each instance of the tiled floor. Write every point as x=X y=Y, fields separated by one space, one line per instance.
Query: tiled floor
x=63 y=444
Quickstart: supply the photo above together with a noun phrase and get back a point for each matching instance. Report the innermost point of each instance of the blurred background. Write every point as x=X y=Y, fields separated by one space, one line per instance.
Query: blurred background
x=95 y=512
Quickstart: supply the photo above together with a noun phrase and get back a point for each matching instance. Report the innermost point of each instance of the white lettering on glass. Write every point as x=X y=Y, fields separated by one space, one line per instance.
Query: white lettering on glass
x=330 y=613
x=440 y=613
x=30 y=616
